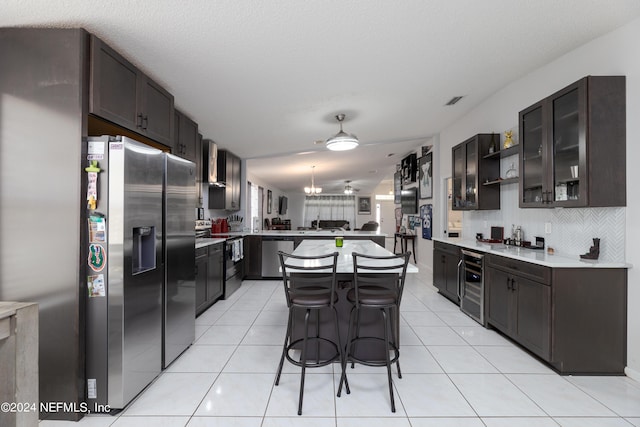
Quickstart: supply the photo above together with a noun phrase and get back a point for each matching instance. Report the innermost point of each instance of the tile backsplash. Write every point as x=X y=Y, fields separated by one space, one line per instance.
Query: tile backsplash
x=572 y=229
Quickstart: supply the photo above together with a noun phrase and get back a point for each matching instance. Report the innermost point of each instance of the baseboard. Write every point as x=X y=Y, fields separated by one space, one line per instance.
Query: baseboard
x=632 y=373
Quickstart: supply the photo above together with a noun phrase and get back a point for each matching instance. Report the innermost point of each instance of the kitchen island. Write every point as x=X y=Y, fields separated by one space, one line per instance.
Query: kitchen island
x=568 y=311
x=261 y=248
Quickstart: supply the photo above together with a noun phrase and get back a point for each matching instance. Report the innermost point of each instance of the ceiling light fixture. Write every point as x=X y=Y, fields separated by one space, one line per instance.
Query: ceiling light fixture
x=347 y=188
x=342 y=141
x=313 y=189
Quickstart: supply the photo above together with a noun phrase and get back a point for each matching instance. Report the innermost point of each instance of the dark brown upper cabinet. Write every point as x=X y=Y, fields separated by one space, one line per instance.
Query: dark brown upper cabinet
x=471 y=168
x=573 y=146
x=185 y=137
x=122 y=94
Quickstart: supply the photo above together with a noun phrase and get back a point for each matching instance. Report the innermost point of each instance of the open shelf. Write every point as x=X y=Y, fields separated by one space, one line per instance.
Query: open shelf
x=506 y=152
x=502 y=181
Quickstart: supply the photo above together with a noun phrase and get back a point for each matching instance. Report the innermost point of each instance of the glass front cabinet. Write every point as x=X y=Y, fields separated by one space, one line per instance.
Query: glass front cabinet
x=470 y=170
x=572 y=146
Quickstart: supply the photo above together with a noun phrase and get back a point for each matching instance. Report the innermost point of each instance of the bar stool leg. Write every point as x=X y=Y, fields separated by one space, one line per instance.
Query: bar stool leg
x=413 y=248
x=304 y=359
x=386 y=320
x=394 y=340
x=355 y=345
x=286 y=345
x=343 y=377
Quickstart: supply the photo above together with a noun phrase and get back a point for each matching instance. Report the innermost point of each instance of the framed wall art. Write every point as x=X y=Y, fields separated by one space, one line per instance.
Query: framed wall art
x=364 y=205
x=425 y=176
x=397 y=187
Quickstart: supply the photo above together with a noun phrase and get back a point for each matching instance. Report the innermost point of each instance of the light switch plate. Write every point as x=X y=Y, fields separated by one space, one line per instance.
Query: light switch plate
x=547 y=227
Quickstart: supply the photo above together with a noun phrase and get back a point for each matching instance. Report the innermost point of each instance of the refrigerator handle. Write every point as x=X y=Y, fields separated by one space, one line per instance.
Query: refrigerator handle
x=459 y=282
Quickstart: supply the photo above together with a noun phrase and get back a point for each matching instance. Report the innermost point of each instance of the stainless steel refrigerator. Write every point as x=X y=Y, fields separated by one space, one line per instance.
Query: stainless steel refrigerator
x=178 y=324
x=125 y=270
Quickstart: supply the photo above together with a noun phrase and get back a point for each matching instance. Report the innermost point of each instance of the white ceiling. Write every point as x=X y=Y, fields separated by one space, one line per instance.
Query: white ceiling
x=266 y=78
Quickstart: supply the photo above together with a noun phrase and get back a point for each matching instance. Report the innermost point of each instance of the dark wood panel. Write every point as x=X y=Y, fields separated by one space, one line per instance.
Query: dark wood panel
x=253 y=257
x=532 y=315
x=157 y=110
x=497 y=294
x=113 y=86
x=607 y=148
x=589 y=320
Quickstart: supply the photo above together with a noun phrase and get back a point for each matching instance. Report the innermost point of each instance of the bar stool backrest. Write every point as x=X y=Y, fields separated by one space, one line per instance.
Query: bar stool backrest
x=308 y=276
x=380 y=275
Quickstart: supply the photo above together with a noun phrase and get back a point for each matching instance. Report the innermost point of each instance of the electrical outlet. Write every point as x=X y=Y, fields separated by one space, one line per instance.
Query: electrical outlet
x=486 y=224
x=547 y=227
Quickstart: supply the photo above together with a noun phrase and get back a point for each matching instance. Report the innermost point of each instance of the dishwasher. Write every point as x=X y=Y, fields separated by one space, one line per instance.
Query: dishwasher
x=270 y=247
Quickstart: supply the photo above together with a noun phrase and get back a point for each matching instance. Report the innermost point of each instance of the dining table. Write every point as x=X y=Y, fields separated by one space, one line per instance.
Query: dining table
x=370 y=321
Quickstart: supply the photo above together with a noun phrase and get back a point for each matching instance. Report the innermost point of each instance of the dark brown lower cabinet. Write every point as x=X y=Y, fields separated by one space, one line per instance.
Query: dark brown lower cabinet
x=253 y=257
x=520 y=308
x=445 y=269
x=209 y=276
x=572 y=318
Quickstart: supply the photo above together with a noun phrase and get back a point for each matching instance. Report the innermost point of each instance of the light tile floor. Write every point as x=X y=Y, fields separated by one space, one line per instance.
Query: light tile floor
x=455 y=373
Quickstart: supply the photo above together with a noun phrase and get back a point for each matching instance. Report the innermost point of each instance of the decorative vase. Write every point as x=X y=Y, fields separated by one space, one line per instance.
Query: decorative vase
x=508 y=142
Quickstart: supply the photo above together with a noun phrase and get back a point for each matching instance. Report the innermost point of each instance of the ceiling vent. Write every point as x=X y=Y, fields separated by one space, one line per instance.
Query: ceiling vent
x=454 y=100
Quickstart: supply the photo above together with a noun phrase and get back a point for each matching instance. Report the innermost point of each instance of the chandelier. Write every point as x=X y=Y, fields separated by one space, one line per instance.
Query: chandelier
x=347 y=188
x=313 y=189
x=342 y=141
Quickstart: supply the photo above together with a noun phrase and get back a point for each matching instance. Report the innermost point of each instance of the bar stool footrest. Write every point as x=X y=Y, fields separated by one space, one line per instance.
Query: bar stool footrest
x=351 y=358
x=311 y=362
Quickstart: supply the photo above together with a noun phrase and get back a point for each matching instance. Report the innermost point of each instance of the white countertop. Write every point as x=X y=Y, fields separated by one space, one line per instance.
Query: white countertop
x=218 y=238
x=201 y=243
x=535 y=256
x=313 y=247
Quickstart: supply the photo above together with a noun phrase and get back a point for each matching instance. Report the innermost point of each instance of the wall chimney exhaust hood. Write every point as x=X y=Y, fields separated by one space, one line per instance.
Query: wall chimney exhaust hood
x=210 y=164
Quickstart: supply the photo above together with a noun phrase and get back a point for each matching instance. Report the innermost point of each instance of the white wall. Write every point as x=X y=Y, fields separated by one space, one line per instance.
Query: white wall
x=276 y=193
x=612 y=54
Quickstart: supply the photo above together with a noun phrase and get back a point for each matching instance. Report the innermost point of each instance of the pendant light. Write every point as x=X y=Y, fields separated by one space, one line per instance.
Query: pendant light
x=342 y=141
x=313 y=189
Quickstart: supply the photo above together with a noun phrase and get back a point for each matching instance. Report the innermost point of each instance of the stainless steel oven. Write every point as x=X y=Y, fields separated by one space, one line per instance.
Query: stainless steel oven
x=233 y=265
x=471 y=284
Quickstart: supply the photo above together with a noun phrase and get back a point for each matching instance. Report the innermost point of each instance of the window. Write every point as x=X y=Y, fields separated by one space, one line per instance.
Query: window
x=255 y=206
x=327 y=207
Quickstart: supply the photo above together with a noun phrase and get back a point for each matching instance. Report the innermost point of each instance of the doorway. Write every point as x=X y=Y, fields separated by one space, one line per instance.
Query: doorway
x=452 y=219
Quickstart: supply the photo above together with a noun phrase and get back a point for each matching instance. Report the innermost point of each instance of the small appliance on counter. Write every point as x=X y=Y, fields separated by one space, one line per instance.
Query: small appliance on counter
x=203 y=228
x=233 y=265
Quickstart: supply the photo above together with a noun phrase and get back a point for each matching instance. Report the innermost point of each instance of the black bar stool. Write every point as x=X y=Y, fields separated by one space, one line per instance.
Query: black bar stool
x=378 y=285
x=310 y=285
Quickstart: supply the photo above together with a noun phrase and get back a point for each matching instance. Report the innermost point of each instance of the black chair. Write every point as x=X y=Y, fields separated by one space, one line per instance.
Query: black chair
x=378 y=285
x=369 y=226
x=310 y=285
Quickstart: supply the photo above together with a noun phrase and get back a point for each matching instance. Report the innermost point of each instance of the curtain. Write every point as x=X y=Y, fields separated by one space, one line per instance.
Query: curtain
x=328 y=207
